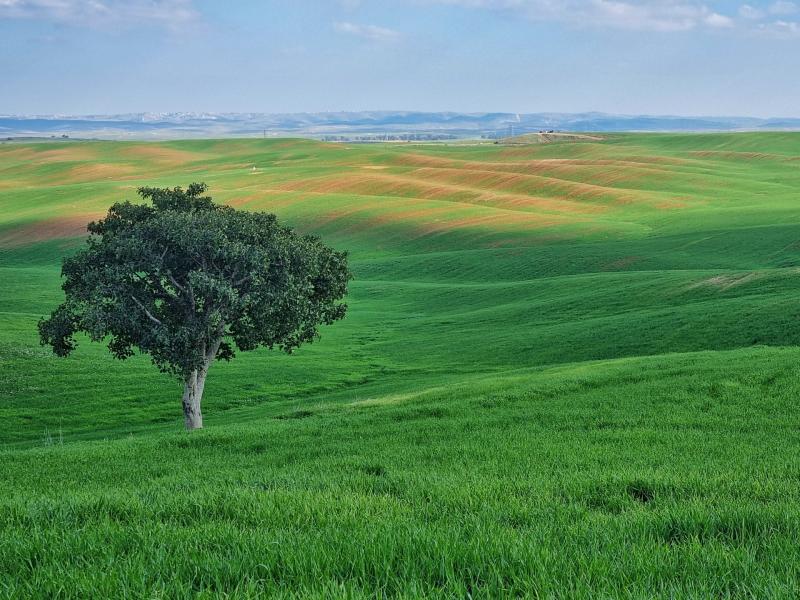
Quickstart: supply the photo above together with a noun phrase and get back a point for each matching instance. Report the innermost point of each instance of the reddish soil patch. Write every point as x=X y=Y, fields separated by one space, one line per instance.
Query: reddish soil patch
x=161 y=154
x=729 y=154
x=450 y=185
x=422 y=160
x=69 y=153
x=97 y=171
x=10 y=184
x=49 y=229
x=671 y=205
x=529 y=184
x=658 y=160
x=426 y=220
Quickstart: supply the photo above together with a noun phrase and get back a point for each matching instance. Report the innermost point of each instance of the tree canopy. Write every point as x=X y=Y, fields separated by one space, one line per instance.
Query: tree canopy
x=186 y=281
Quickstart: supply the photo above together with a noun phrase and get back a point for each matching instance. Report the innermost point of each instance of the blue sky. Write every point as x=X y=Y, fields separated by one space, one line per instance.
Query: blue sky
x=682 y=57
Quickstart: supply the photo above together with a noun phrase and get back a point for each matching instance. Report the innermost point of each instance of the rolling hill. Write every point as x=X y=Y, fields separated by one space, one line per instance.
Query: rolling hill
x=568 y=370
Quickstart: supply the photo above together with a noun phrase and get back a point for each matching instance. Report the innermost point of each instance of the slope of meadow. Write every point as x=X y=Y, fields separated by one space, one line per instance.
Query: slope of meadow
x=568 y=370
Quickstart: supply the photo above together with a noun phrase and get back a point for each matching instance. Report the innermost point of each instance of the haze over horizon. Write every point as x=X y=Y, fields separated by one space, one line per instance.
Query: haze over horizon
x=158 y=115
x=655 y=57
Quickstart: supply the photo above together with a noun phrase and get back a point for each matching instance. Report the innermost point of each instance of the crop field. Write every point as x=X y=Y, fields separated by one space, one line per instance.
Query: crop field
x=568 y=370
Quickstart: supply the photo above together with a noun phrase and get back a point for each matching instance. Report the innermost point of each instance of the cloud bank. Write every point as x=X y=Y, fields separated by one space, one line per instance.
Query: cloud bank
x=645 y=15
x=101 y=12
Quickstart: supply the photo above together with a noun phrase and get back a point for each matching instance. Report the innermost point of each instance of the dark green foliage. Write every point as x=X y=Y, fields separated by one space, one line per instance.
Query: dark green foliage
x=175 y=278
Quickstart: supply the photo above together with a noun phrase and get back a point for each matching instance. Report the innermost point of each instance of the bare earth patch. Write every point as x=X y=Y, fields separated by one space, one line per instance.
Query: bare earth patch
x=50 y=229
x=161 y=155
x=732 y=154
x=69 y=153
x=91 y=172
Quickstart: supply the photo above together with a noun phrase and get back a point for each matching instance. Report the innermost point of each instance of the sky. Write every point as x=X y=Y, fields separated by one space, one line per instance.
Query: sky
x=676 y=57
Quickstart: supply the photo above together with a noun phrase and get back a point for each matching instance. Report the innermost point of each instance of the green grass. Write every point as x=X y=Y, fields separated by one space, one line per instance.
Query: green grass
x=569 y=370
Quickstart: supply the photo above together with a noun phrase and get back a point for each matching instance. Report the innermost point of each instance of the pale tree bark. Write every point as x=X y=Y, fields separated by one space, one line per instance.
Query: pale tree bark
x=193 y=390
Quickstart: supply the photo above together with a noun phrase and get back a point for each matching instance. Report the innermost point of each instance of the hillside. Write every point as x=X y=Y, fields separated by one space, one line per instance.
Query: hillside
x=549 y=137
x=568 y=370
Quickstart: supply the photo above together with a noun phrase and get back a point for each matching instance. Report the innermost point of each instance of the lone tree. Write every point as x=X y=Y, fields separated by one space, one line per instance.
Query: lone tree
x=185 y=280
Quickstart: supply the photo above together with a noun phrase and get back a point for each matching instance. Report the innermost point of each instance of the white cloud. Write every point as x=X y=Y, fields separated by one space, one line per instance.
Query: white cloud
x=643 y=15
x=101 y=12
x=718 y=20
x=782 y=7
x=780 y=29
x=749 y=12
x=368 y=32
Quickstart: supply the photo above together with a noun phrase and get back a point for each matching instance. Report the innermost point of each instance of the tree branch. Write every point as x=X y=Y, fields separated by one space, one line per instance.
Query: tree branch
x=175 y=282
x=147 y=312
x=154 y=279
x=215 y=344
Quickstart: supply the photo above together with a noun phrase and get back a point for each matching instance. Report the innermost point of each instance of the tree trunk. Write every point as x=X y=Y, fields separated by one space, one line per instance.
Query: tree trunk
x=193 y=390
x=192 y=395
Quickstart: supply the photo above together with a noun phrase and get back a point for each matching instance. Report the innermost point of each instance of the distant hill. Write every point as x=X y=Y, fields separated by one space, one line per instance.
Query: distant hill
x=363 y=126
x=549 y=137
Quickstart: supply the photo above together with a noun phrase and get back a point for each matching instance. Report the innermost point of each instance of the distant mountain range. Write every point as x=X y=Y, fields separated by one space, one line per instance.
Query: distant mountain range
x=361 y=125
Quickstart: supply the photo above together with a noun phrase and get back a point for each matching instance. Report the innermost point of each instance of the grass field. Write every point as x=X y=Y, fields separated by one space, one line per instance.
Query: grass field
x=569 y=370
